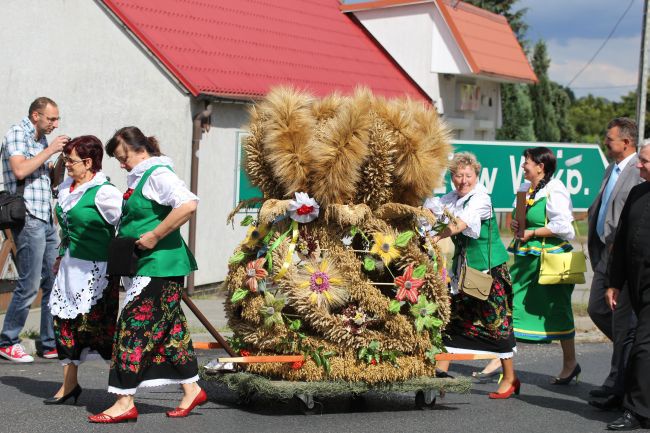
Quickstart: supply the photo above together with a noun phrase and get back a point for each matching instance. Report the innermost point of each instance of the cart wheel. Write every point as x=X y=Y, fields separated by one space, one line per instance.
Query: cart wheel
x=306 y=403
x=245 y=398
x=425 y=399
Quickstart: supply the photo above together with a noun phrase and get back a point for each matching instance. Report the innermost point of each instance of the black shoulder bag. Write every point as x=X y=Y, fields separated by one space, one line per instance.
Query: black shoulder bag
x=12 y=207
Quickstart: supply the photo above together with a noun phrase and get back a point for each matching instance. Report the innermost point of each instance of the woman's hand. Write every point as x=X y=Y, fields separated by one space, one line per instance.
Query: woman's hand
x=435 y=239
x=57 y=264
x=147 y=241
x=527 y=235
x=514 y=225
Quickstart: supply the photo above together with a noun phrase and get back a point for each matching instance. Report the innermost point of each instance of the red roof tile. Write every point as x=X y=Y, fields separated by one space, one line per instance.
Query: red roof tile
x=486 y=39
x=241 y=48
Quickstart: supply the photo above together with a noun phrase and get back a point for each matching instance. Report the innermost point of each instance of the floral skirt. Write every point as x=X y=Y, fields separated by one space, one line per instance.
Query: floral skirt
x=88 y=334
x=152 y=344
x=483 y=326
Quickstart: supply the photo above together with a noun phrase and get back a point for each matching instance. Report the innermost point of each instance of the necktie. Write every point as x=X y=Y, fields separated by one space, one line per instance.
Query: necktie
x=604 y=202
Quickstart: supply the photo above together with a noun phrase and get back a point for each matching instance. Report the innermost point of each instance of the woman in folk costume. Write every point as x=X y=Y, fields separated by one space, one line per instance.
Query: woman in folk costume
x=543 y=313
x=152 y=344
x=83 y=303
x=477 y=326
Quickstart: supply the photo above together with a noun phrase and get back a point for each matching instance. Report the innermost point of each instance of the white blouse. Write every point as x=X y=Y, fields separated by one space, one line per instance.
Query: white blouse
x=471 y=212
x=79 y=284
x=165 y=188
x=559 y=208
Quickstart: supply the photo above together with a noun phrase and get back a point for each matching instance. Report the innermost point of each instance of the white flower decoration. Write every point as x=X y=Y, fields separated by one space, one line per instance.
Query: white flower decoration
x=303 y=209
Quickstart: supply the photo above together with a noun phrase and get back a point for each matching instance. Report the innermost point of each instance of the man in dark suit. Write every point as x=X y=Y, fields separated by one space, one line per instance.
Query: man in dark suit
x=629 y=273
x=620 y=177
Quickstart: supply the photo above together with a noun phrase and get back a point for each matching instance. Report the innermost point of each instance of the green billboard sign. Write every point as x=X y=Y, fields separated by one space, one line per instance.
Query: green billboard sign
x=580 y=167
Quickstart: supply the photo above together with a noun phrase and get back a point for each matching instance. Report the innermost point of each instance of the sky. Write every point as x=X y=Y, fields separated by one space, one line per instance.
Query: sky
x=573 y=31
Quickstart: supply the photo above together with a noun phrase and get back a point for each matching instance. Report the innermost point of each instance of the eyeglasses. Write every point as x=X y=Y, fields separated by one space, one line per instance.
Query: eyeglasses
x=71 y=161
x=49 y=119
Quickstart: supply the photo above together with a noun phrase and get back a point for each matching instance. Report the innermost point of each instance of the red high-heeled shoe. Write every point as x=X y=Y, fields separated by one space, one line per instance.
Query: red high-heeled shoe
x=200 y=399
x=508 y=392
x=130 y=415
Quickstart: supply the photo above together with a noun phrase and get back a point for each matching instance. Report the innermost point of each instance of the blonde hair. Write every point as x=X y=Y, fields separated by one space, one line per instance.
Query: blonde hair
x=464 y=159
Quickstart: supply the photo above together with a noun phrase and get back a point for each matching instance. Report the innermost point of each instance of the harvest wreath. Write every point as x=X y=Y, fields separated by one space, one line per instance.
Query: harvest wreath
x=336 y=268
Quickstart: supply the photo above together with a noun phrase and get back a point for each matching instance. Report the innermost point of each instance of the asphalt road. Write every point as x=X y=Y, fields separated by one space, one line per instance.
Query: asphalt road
x=541 y=407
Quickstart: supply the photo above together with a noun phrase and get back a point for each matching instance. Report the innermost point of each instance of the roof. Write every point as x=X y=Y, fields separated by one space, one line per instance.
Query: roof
x=239 y=49
x=486 y=40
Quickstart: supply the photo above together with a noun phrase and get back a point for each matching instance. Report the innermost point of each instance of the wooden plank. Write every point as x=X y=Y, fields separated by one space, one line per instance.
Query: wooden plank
x=206 y=345
x=10 y=238
x=263 y=358
x=463 y=356
x=4 y=253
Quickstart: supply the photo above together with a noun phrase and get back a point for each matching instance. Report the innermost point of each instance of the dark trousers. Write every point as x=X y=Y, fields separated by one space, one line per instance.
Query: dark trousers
x=618 y=325
x=637 y=378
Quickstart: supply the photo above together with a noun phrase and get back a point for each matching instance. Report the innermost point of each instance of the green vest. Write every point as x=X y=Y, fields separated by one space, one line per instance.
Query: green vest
x=84 y=232
x=488 y=246
x=536 y=219
x=170 y=257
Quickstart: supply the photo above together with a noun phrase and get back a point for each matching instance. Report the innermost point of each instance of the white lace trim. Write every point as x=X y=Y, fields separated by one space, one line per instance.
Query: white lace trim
x=152 y=383
x=78 y=286
x=133 y=287
x=504 y=355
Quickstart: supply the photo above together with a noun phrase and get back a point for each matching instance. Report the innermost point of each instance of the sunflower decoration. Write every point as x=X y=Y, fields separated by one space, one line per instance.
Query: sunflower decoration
x=255 y=235
x=387 y=245
x=322 y=284
x=384 y=247
x=271 y=311
x=407 y=285
x=255 y=274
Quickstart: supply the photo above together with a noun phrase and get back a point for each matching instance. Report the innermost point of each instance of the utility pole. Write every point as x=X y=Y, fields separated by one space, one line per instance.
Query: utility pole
x=642 y=90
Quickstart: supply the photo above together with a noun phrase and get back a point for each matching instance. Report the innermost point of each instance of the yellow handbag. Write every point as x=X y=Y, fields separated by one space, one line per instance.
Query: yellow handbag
x=563 y=268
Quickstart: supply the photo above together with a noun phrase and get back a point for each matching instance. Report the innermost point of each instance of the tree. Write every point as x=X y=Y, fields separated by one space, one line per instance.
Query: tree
x=561 y=104
x=627 y=107
x=541 y=95
x=589 y=116
x=517 y=114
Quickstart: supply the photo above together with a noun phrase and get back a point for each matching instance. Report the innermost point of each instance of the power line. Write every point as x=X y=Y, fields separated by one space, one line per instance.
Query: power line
x=602 y=45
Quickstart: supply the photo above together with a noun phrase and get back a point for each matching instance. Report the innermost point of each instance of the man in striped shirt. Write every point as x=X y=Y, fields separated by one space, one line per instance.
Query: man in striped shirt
x=25 y=157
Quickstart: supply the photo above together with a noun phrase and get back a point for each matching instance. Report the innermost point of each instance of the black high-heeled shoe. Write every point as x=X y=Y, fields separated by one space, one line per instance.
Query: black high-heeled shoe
x=566 y=380
x=75 y=393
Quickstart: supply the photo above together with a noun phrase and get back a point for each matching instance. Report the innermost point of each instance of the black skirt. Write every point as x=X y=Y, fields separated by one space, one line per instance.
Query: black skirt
x=88 y=333
x=152 y=345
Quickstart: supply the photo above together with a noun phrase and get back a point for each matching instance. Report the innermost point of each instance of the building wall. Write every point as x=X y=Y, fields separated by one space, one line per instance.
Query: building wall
x=469 y=124
x=102 y=81
x=406 y=34
x=99 y=78
x=218 y=180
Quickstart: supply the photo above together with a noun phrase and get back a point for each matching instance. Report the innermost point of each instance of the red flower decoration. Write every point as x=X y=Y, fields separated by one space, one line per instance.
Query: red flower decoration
x=373 y=362
x=127 y=194
x=305 y=210
x=297 y=365
x=244 y=352
x=408 y=286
